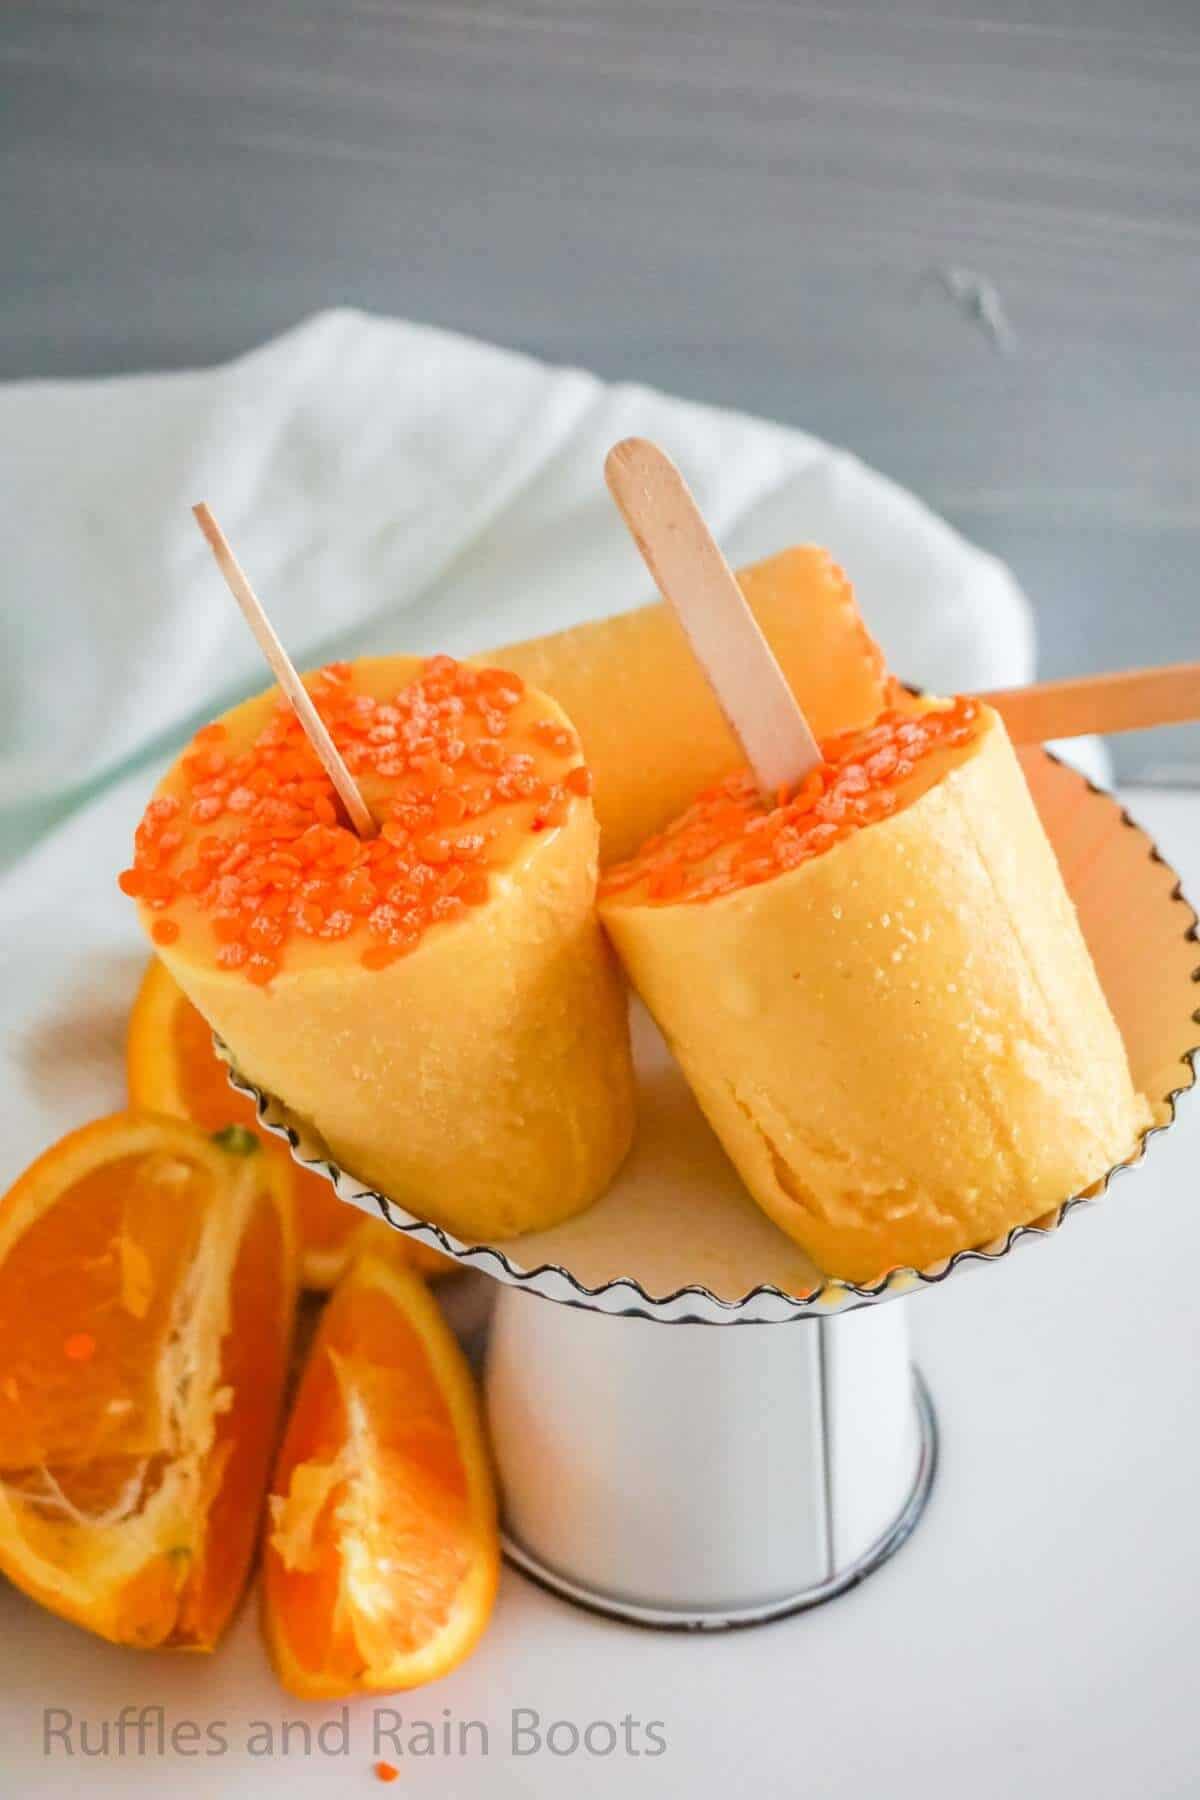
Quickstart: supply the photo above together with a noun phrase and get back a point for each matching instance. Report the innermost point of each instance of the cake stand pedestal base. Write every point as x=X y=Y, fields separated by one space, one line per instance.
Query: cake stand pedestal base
x=699 y=1478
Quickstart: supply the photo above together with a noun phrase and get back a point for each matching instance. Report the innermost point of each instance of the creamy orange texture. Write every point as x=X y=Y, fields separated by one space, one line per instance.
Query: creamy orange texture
x=881 y=997
x=438 y=1002
x=243 y=848
x=653 y=735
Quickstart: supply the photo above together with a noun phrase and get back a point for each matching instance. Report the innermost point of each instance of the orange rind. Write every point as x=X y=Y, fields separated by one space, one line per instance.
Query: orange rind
x=382 y=1553
x=147 y=1292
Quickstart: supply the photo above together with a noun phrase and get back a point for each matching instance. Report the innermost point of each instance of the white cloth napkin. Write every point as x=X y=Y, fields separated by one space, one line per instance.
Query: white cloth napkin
x=389 y=486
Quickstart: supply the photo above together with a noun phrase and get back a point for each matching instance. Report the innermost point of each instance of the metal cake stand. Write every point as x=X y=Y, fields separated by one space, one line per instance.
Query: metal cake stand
x=705 y=1477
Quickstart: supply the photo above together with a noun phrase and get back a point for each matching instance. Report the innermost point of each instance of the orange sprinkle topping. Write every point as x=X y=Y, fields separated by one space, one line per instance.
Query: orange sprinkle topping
x=731 y=838
x=386 y=1771
x=253 y=839
x=79 y=1347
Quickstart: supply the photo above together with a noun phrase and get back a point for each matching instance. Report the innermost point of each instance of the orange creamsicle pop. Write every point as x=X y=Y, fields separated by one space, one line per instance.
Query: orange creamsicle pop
x=653 y=734
x=880 y=994
x=438 y=1000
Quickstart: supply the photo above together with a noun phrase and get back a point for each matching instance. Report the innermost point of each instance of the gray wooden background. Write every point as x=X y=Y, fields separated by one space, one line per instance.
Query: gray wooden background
x=960 y=236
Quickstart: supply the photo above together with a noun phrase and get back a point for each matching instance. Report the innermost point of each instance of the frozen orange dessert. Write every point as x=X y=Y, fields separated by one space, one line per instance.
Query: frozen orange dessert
x=652 y=732
x=438 y=1000
x=879 y=992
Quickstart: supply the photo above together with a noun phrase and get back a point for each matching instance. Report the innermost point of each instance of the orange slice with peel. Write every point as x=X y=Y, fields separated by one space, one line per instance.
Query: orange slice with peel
x=171 y=1067
x=383 y=1550
x=147 y=1292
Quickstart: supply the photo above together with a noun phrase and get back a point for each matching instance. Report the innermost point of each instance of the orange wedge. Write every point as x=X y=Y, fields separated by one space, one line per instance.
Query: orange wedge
x=171 y=1067
x=382 y=1551
x=147 y=1288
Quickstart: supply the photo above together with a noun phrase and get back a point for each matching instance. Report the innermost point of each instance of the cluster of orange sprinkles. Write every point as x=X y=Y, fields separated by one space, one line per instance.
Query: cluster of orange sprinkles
x=453 y=765
x=731 y=837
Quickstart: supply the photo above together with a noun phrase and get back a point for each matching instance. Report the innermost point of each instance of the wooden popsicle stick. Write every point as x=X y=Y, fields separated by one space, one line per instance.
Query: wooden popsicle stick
x=699 y=586
x=1131 y=700
x=294 y=690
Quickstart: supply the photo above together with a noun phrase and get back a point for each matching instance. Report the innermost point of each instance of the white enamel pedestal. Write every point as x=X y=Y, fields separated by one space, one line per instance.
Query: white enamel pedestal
x=700 y=1477
x=693 y=1426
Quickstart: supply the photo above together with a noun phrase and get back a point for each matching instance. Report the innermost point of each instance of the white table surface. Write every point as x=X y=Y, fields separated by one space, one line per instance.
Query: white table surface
x=1038 y=1635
